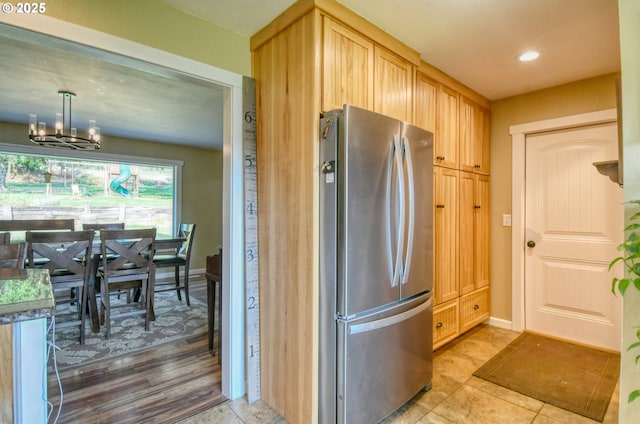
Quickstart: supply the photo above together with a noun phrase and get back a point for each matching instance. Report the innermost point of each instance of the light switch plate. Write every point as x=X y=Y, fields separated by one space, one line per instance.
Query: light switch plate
x=506 y=220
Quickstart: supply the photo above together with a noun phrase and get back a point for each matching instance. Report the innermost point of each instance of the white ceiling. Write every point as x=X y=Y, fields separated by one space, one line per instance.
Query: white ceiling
x=475 y=41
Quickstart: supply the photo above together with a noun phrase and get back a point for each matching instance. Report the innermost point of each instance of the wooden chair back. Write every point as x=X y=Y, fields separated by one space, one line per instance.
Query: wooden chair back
x=130 y=253
x=67 y=256
x=12 y=255
x=188 y=232
x=68 y=253
x=127 y=263
x=5 y=237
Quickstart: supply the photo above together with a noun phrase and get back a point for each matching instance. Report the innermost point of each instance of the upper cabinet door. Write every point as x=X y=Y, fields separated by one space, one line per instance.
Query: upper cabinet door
x=347 y=74
x=393 y=85
x=445 y=149
x=426 y=98
x=474 y=137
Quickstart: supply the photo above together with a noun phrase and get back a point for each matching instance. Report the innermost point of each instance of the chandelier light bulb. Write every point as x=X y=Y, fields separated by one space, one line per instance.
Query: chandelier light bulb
x=33 y=124
x=59 y=124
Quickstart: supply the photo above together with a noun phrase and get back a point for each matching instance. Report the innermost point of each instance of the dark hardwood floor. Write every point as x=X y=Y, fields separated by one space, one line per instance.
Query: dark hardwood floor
x=162 y=385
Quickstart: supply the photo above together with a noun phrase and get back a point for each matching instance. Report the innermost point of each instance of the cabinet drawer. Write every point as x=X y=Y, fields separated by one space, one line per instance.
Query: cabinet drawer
x=474 y=309
x=445 y=323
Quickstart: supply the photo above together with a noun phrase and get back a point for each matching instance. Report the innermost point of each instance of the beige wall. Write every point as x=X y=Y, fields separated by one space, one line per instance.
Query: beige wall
x=578 y=97
x=154 y=24
x=201 y=182
x=629 y=11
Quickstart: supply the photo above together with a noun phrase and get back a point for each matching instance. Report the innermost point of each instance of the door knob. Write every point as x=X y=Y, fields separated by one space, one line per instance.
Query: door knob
x=531 y=243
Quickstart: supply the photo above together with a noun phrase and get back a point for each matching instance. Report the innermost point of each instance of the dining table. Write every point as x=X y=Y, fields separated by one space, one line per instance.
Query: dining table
x=160 y=244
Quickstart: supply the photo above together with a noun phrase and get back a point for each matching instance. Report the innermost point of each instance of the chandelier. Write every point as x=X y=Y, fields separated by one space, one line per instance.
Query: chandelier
x=60 y=137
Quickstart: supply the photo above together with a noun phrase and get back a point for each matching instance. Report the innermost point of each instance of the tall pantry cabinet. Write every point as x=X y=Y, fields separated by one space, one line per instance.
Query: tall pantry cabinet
x=461 y=204
x=315 y=57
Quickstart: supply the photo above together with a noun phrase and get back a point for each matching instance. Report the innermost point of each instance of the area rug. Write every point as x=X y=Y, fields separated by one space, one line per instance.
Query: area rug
x=576 y=378
x=174 y=321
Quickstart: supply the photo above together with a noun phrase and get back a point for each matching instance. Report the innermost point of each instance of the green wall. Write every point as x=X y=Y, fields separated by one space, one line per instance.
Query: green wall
x=570 y=99
x=157 y=25
x=201 y=182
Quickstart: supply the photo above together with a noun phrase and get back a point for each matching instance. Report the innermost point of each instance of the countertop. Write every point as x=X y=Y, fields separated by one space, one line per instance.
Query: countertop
x=25 y=294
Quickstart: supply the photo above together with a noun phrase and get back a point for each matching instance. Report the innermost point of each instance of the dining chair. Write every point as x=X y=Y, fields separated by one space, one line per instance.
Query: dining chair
x=126 y=263
x=12 y=255
x=5 y=237
x=179 y=257
x=68 y=255
x=97 y=226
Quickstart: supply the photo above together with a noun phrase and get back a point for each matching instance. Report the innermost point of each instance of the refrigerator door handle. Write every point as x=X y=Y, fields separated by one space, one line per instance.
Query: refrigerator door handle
x=389 y=207
x=385 y=322
x=395 y=261
x=411 y=205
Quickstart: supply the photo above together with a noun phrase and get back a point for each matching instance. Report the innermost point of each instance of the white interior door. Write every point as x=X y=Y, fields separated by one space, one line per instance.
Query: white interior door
x=574 y=222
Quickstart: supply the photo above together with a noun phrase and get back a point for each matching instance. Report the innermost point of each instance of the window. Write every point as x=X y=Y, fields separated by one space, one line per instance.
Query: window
x=90 y=188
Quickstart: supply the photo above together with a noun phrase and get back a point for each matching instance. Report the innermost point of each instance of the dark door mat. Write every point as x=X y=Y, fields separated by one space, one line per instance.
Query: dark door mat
x=572 y=377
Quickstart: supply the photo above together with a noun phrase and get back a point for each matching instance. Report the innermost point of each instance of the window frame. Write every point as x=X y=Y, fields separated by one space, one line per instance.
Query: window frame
x=112 y=158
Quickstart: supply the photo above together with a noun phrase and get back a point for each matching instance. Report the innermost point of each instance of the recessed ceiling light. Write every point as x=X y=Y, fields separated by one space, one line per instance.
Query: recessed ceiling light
x=529 y=56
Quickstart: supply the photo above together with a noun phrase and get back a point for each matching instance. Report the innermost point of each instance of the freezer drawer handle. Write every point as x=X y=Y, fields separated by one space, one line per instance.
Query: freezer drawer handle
x=386 y=322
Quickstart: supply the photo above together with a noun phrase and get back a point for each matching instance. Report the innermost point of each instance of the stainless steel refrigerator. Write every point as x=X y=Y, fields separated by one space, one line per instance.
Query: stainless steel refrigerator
x=375 y=264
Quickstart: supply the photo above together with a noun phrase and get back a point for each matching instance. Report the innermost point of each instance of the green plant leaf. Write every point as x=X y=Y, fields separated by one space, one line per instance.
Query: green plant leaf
x=623 y=284
x=634 y=395
x=633 y=226
x=613 y=285
x=615 y=261
x=633 y=345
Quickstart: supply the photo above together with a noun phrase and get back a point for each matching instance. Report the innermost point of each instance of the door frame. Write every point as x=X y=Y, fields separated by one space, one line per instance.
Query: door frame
x=518 y=159
x=233 y=354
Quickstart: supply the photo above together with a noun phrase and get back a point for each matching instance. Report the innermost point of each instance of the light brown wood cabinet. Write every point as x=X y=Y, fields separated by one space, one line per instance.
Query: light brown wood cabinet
x=358 y=72
x=461 y=279
x=474 y=137
x=474 y=232
x=393 y=85
x=436 y=108
x=474 y=309
x=461 y=250
x=445 y=262
x=445 y=217
x=445 y=323
x=347 y=73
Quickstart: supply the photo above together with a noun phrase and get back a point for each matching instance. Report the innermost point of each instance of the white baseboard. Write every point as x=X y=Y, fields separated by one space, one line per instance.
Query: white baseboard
x=501 y=323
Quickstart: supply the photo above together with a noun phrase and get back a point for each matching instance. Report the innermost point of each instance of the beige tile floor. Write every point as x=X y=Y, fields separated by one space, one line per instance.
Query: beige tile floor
x=456 y=397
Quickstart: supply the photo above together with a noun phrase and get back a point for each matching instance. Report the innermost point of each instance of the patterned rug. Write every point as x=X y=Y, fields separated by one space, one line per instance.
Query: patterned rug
x=174 y=321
